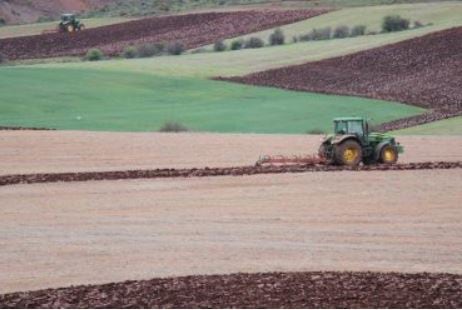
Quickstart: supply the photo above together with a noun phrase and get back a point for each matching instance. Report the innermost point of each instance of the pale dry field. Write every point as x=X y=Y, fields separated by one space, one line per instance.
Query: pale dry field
x=67 y=151
x=61 y=234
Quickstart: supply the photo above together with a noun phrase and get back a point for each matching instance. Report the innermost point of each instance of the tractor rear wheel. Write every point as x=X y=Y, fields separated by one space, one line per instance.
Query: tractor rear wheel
x=388 y=155
x=70 y=28
x=348 y=153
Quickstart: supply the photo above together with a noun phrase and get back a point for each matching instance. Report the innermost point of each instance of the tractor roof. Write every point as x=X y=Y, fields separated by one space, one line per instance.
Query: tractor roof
x=355 y=118
x=68 y=14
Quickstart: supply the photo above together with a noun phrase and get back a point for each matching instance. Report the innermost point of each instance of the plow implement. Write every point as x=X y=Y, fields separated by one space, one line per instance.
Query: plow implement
x=280 y=160
x=211 y=172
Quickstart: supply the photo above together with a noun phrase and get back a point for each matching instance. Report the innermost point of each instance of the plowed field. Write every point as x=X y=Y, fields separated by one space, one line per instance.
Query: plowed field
x=270 y=290
x=426 y=71
x=191 y=30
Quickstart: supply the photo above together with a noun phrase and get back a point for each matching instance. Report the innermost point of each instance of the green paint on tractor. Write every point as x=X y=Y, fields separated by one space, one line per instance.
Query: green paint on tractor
x=352 y=143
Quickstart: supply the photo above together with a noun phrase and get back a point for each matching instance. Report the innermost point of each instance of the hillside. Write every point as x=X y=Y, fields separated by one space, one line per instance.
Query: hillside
x=26 y=11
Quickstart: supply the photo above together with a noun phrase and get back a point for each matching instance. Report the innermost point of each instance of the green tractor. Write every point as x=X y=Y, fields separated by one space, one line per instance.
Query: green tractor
x=352 y=143
x=69 y=23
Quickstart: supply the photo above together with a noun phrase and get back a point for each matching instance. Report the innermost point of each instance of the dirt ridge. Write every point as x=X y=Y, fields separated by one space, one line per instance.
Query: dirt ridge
x=210 y=172
x=261 y=290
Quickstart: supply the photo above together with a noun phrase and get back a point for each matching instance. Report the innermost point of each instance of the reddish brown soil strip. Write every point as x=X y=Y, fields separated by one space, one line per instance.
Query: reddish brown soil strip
x=23 y=128
x=191 y=30
x=209 y=172
x=269 y=290
x=425 y=71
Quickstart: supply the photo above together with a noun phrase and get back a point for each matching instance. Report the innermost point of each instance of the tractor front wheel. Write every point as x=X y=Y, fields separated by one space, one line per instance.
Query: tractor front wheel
x=348 y=153
x=388 y=155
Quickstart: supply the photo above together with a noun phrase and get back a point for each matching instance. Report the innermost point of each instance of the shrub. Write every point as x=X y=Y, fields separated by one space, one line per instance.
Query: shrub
x=372 y=33
x=277 y=37
x=358 y=30
x=254 y=42
x=2 y=21
x=341 y=32
x=150 y=50
x=173 y=127
x=394 y=23
x=321 y=34
x=418 y=24
x=94 y=54
x=130 y=52
x=305 y=37
x=175 y=48
x=237 y=45
x=219 y=46
x=295 y=39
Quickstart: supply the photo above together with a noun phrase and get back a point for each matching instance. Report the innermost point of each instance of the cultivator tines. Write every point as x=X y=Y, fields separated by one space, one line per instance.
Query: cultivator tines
x=280 y=160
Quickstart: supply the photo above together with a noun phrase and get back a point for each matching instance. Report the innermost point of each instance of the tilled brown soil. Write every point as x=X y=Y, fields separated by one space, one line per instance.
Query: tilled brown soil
x=425 y=71
x=267 y=290
x=23 y=128
x=191 y=30
x=209 y=172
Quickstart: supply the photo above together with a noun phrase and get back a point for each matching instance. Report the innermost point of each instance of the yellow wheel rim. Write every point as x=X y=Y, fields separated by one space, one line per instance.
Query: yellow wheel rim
x=389 y=155
x=350 y=155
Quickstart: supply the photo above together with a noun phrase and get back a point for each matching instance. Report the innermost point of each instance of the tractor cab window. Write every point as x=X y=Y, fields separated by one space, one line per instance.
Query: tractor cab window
x=355 y=128
x=341 y=128
x=66 y=18
x=349 y=127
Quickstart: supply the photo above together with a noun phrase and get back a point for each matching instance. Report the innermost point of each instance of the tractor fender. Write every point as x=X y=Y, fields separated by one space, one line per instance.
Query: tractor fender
x=379 y=148
x=340 y=139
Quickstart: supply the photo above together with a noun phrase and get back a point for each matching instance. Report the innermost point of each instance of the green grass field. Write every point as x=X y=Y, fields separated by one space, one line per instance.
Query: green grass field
x=38 y=28
x=452 y=126
x=112 y=101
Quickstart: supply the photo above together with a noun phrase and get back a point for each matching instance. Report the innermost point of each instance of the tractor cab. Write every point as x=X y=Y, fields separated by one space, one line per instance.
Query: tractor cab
x=351 y=126
x=65 y=18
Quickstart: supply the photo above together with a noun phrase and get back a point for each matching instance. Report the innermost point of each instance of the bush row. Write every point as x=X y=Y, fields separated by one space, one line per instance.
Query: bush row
x=390 y=23
x=276 y=38
x=141 y=51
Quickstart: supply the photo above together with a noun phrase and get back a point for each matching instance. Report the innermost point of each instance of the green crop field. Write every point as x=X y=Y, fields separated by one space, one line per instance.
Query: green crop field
x=115 y=101
x=452 y=126
x=38 y=28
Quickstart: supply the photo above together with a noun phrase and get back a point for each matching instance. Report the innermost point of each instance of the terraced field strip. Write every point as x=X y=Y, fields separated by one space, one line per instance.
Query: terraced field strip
x=38 y=28
x=440 y=14
x=211 y=172
x=260 y=290
x=192 y=30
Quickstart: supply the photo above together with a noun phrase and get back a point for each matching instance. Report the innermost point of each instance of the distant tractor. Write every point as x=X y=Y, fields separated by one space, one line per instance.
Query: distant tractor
x=69 y=23
x=352 y=144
